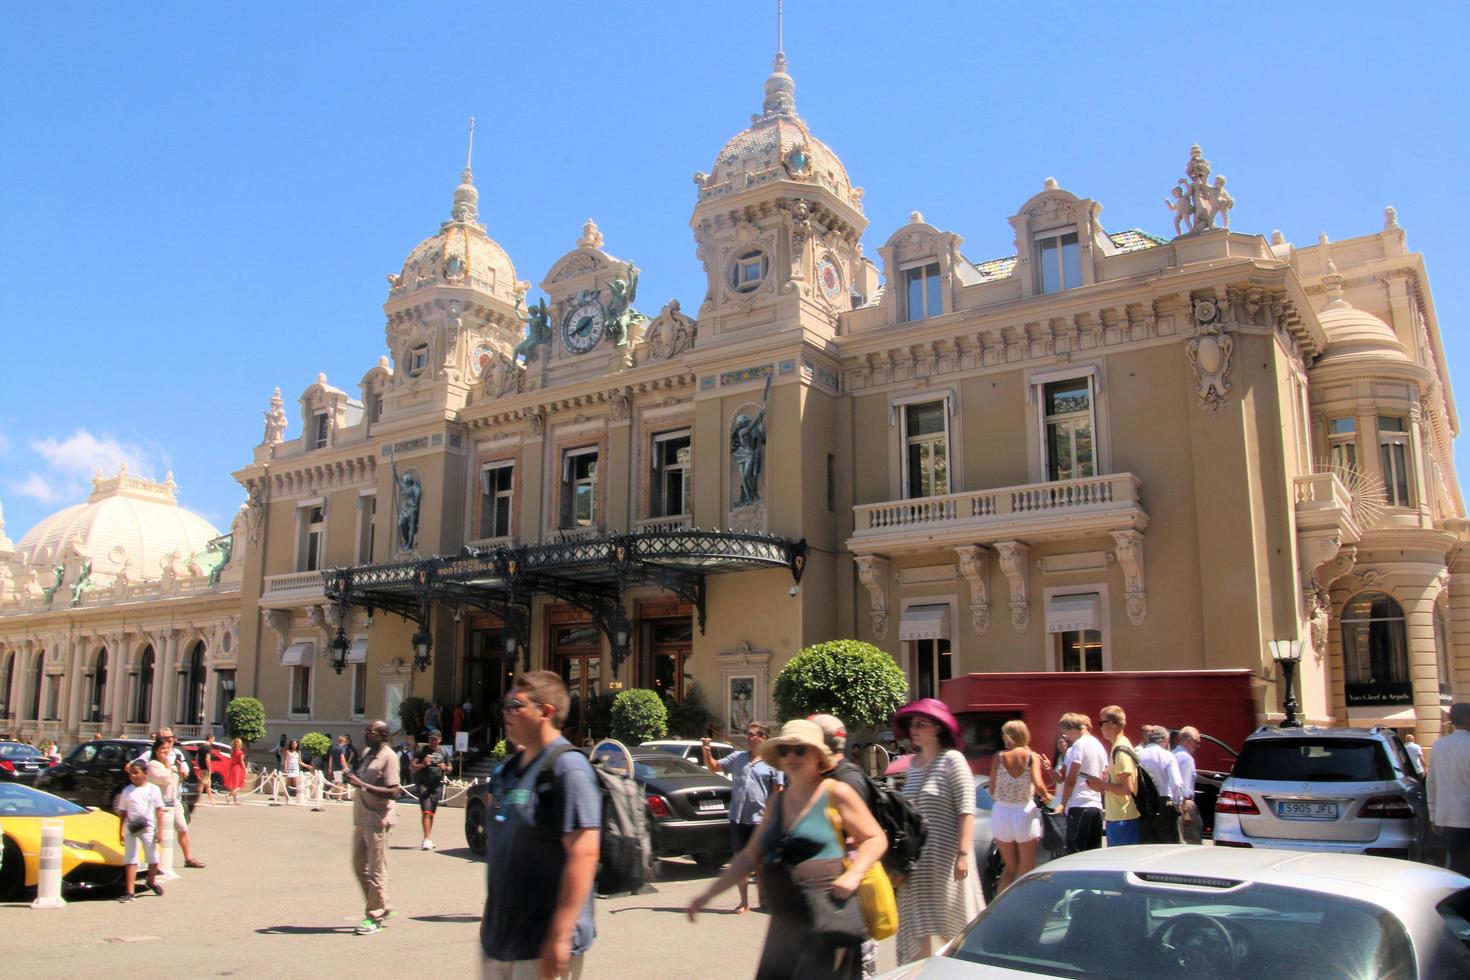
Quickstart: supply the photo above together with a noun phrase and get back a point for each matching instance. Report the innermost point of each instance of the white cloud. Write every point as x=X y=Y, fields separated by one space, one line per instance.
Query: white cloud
x=36 y=487
x=81 y=454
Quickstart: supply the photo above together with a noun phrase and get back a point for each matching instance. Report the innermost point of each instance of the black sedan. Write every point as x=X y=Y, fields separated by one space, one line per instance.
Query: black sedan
x=93 y=775
x=20 y=763
x=688 y=809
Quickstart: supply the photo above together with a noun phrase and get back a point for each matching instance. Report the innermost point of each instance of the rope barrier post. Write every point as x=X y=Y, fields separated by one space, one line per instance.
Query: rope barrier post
x=48 y=888
x=318 y=788
x=164 y=838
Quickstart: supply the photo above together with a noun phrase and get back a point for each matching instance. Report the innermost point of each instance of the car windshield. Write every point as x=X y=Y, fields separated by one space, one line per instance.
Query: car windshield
x=1314 y=760
x=1166 y=926
x=22 y=801
x=14 y=751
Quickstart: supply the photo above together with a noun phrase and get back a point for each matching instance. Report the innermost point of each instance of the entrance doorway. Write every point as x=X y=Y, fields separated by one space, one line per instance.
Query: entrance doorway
x=487 y=676
x=576 y=654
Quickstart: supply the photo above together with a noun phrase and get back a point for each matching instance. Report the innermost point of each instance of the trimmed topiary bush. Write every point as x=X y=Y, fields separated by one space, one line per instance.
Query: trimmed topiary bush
x=245 y=720
x=316 y=745
x=692 y=717
x=639 y=716
x=853 y=680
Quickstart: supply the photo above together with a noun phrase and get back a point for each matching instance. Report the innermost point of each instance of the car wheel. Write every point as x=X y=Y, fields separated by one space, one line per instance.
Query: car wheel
x=994 y=868
x=711 y=860
x=12 y=871
x=474 y=826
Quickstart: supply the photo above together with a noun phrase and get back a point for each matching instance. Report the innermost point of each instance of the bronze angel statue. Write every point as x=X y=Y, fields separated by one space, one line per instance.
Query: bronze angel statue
x=619 y=313
x=538 y=328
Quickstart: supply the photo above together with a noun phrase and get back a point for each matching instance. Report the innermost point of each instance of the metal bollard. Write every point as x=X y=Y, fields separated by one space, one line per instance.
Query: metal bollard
x=48 y=888
x=164 y=841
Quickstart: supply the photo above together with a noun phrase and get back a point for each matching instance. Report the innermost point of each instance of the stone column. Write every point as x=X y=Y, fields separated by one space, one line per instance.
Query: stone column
x=119 y=681
x=162 y=657
x=78 y=698
x=1417 y=593
x=168 y=696
x=1460 y=625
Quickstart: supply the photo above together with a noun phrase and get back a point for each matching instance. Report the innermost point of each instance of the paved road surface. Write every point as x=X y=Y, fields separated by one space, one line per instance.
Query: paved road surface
x=278 y=899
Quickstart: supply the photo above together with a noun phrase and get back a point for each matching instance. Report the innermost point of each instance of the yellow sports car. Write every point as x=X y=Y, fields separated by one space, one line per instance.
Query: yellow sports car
x=91 y=851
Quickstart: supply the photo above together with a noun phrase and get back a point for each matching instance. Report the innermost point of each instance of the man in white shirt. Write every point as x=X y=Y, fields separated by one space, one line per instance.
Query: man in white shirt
x=1191 y=827
x=1161 y=765
x=1416 y=752
x=1082 y=804
x=1449 y=789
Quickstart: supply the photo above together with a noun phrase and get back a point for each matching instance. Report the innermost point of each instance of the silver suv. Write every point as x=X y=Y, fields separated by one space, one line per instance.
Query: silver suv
x=1324 y=789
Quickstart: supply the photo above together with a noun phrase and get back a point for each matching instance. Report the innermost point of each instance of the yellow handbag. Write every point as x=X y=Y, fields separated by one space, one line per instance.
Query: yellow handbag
x=875 y=894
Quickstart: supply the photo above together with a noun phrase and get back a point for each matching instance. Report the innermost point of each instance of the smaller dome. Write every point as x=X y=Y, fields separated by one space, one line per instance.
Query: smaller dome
x=462 y=254
x=126 y=521
x=1352 y=332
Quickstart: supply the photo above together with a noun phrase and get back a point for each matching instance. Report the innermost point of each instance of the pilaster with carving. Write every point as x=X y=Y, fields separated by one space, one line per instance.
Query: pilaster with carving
x=1325 y=559
x=975 y=567
x=873 y=572
x=1013 y=562
x=1130 y=556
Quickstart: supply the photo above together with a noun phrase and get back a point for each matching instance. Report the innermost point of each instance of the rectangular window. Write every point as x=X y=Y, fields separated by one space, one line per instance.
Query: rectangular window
x=367 y=513
x=53 y=686
x=1067 y=409
x=225 y=691
x=359 y=690
x=1393 y=454
x=309 y=556
x=497 y=499
x=319 y=429
x=922 y=292
x=926 y=449
x=671 y=488
x=1059 y=263
x=301 y=690
x=1342 y=442
x=1080 y=650
x=932 y=664
x=579 y=488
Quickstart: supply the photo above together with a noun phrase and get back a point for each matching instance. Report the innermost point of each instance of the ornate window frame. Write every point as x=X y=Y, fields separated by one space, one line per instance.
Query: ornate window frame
x=898 y=404
x=1052 y=655
x=1036 y=382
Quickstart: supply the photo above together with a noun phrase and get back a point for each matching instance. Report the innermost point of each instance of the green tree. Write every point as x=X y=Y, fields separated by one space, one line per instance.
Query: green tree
x=639 y=716
x=316 y=745
x=853 y=680
x=245 y=720
x=597 y=715
x=691 y=717
x=411 y=713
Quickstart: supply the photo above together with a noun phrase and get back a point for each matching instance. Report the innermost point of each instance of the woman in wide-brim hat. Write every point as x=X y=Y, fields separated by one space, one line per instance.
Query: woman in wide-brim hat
x=816 y=925
x=939 y=896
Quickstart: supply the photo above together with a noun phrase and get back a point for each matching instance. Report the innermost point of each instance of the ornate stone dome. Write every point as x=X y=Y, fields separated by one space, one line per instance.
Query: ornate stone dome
x=1353 y=333
x=126 y=522
x=777 y=146
x=462 y=254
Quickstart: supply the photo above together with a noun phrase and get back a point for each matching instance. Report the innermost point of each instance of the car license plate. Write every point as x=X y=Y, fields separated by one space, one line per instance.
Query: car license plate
x=1306 y=811
x=711 y=805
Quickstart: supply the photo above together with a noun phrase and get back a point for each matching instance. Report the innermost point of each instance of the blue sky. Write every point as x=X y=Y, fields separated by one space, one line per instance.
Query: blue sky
x=199 y=202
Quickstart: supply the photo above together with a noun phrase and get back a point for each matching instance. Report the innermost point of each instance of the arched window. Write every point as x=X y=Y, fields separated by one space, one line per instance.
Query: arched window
x=1375 y=651
x=1442 y=653
x=37 y=677
x=7 y=677
x=193 y=713
x=98 y=704
x=143 y=692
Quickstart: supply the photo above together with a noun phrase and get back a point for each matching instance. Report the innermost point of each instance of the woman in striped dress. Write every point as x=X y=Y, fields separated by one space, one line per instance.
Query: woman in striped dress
x=940 y=896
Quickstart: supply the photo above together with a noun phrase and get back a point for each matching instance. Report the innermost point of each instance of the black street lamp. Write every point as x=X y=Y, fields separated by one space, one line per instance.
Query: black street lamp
x=340 y=647
x=1288 y=653
x=423 y=645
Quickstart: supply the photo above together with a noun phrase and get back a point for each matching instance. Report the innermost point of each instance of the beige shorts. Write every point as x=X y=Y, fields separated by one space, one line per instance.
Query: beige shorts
x=181 y=821
x=525 y=969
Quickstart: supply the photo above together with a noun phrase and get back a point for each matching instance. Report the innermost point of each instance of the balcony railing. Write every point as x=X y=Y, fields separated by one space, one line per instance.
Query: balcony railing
x=293 y=586
x=1061 y=508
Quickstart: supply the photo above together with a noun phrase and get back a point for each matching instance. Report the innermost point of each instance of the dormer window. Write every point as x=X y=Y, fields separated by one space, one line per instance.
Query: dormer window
x=418 y=360
x=1058 y=262
x=922 y=295
x=320 y=426
x=749 y=270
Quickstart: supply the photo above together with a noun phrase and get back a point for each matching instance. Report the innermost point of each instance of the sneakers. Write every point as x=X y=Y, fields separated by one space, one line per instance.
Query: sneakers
x=427 y=845
x=128 y=897
x=368 y=927
x=157 y=889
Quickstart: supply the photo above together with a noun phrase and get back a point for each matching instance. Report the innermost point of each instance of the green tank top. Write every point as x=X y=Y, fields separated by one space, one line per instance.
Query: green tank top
x=811 y=837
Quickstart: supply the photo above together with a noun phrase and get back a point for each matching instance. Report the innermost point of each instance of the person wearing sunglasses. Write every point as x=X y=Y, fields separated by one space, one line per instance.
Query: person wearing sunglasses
x=752 y=783
x=808 y=879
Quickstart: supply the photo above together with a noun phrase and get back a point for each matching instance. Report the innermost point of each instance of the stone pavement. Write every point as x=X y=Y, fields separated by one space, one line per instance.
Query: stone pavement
x=279 y=899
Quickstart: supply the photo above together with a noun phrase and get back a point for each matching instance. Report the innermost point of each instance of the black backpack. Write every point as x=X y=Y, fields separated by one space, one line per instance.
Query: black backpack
x=1150 y=805
x=900 y=822
x=625 y=859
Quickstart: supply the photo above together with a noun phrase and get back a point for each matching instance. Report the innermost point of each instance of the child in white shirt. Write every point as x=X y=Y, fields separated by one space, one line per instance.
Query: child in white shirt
x=141 y=808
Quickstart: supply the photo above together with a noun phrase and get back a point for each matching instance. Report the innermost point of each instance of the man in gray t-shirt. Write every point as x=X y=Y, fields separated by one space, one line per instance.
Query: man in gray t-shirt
x=542 y=841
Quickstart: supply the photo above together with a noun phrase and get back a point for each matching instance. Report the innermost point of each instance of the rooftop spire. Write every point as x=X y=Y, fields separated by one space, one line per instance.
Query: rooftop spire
x=779 y=45
x=466 y=198
x=780 y=87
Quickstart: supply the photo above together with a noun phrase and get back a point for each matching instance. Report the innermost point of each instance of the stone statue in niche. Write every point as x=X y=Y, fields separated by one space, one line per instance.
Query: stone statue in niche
x=275 y=420
x=748 y=450
x=409 y=492
x=1195 y=202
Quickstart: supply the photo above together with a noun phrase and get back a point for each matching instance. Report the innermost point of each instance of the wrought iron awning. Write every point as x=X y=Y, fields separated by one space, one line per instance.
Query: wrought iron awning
x=592 y=574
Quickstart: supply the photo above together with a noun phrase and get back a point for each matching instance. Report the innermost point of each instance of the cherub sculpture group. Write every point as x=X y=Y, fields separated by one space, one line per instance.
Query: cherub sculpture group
x=1197 y=203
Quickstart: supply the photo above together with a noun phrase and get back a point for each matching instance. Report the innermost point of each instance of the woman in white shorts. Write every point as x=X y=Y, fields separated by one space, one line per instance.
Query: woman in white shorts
x=1015 y=783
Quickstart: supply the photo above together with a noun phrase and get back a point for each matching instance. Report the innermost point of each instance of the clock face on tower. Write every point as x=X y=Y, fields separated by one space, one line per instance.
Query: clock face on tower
x=829 y=279
x=582 y=328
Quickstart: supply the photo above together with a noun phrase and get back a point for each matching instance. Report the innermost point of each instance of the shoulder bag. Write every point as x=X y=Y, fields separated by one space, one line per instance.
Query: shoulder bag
x=875 y=895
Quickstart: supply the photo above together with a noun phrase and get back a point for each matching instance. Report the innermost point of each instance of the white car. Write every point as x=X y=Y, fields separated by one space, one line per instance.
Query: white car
x=688 y=748
x=1176 y=912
